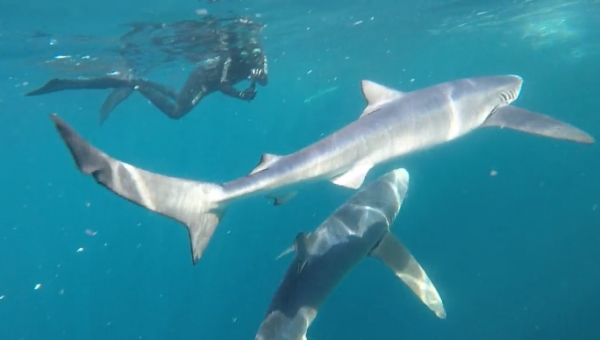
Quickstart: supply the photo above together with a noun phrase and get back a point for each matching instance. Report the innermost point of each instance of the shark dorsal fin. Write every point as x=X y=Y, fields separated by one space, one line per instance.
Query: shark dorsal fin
x=301 y=249
x=266 y=161
x=377 y=95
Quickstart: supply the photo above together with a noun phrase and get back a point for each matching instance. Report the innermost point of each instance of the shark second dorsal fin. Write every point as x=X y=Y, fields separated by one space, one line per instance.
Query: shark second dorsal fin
x=377 y=95
x=396 y=257
x=266 y=161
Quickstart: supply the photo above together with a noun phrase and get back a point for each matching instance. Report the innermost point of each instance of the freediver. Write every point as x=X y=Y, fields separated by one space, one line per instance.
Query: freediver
x=217 y=74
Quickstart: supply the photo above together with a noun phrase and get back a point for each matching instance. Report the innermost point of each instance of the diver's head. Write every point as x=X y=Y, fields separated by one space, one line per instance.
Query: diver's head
x=258 y=63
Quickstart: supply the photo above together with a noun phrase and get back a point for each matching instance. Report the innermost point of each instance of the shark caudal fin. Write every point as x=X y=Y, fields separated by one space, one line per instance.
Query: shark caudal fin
x=515 y=118
x=116 y=97
x=194 y=204
x=397 y=258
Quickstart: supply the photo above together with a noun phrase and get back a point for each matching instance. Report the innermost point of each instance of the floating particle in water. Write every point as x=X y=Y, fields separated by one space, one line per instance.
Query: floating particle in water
x=91 y=232
x=38 y=286
x=1 y=297
x=201 y=11
x=79 y=250
x=493 y=173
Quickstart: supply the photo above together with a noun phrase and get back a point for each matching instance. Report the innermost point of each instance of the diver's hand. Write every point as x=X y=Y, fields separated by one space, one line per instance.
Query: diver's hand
x=248 y=94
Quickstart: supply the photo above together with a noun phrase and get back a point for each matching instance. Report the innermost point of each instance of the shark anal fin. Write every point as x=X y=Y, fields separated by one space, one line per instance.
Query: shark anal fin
x=354 y=177
x=377 y=95
x=396 y=257
x=265 y=162
x=535 y=123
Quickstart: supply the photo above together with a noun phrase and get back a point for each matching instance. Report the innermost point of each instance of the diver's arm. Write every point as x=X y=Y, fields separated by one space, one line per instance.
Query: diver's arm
x=247 y=94
x=227 y=88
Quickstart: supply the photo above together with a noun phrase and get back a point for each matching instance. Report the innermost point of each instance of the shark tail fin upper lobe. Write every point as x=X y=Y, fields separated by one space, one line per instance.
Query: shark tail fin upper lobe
x=197 y=205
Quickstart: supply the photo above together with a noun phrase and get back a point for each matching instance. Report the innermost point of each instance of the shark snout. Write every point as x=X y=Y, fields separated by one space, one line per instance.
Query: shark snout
x=518 y=84
x=511 y=84
x=398 y=181
x=401 y=177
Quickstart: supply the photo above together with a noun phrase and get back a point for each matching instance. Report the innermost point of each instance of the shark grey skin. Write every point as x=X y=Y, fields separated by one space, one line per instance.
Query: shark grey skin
x=392 y=125
x=360 y=228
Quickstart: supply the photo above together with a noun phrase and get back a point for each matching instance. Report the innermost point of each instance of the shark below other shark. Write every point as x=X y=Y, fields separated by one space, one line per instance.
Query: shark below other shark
x=359 y=228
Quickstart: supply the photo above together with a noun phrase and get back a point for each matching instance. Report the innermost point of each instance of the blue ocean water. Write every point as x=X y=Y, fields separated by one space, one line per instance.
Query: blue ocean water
x=506 y=224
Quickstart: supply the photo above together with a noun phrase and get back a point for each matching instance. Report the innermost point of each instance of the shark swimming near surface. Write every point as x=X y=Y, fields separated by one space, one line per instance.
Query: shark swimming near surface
x=393 y=124
x=360 y=228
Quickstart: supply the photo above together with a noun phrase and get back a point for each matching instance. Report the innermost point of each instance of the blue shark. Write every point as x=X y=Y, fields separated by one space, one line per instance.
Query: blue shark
x=392 y=125
x=359 y=228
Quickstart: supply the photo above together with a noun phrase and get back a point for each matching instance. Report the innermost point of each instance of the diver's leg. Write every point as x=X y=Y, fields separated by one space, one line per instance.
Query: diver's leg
x=57 y=84
x=189 y=96
x=173 y=110
x=164 y=89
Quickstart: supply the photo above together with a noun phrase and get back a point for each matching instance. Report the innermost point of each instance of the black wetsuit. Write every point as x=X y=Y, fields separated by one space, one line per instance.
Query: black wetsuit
x=220 y=73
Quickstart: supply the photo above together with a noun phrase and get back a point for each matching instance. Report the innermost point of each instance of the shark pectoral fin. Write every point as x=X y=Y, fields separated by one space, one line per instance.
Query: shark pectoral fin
x=265 y=162
x=354 y=177
x=282 y=198
x=377 y=95
x=535 y=123
x=396 y=257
